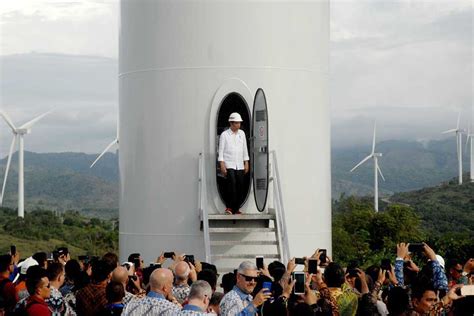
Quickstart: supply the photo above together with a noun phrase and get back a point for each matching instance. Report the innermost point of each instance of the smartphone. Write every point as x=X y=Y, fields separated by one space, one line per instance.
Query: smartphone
x=300 y=278
x=259 y=262
x=385 y=265
x=299 y=261
x=189 y=258
x=267 y=285
x=12 y=250
x=467 y=290
x=416 y=247
x=323 y=256
x=169 y=254
x=312 y=266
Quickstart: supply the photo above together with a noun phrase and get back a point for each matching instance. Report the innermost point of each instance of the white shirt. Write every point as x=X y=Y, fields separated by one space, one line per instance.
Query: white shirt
x=233 y=149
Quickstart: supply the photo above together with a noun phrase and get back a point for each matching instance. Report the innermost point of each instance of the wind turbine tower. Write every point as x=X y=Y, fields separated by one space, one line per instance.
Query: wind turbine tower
x=18 y=134
x=458 y=131
x=377 y=169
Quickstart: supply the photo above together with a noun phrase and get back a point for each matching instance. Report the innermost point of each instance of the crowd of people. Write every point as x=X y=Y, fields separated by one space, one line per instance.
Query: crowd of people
x=419 y=283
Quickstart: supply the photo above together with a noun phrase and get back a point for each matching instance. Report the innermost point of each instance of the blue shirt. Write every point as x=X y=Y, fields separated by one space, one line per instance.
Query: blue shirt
x=237 y=303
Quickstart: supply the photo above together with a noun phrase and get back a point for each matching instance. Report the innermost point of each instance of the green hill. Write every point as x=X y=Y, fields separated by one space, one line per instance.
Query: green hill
x=64 y=181
x=448 y=207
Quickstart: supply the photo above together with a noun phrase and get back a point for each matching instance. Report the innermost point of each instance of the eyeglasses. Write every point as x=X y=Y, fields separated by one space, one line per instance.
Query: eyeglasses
x=249 y=278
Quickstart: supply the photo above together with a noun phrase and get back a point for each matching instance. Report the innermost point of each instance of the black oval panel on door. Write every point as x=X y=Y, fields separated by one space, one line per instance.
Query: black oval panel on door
x=260 y=152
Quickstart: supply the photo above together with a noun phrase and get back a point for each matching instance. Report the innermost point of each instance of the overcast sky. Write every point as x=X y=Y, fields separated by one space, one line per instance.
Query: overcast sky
x=408 y=64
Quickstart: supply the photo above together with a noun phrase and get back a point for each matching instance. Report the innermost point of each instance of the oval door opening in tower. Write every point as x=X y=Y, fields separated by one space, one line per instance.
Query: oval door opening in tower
x=231 y=103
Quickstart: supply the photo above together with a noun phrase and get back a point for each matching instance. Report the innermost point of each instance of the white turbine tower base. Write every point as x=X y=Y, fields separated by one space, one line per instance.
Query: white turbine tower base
x=377 y=170
x=18 y=133
x=459 y=133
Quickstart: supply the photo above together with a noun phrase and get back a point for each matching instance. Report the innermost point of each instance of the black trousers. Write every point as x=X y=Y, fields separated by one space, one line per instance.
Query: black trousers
x=235 y=183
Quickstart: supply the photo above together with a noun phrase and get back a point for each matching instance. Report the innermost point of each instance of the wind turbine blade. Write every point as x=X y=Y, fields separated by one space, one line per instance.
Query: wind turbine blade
x=373 y=139
x=7 y=168
x=449 y=131
x=459 y=120
x=380 y=171
x=30 y=123
x=8 y=120
x=115 y=141
x=362 y=161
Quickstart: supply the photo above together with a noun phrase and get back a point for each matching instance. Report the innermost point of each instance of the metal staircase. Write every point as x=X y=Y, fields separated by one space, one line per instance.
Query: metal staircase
x=230 y=239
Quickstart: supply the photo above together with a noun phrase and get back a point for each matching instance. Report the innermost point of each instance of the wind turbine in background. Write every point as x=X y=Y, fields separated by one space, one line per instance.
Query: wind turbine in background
x=377 y=170
x=18 y=134
x=458 y=132
x=470 y=137
x=115 y=141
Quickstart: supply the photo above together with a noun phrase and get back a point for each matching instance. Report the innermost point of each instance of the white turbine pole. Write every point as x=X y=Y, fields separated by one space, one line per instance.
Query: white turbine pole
x=21 y=188
x=459 y=136
x=9 y=160
x=472 y=157
x=376 y=185
x=377 y=170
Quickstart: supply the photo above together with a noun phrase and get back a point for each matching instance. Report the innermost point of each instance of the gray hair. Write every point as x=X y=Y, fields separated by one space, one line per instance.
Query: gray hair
x=245 y=266
x=199 y=290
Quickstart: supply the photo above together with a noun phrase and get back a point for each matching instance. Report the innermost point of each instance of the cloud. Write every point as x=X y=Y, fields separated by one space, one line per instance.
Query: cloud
x=82 y=89
x=68 y=27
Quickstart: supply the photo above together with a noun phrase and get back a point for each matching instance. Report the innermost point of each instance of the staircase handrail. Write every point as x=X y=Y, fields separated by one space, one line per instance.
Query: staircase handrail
x=202 y=209
x=280 y=210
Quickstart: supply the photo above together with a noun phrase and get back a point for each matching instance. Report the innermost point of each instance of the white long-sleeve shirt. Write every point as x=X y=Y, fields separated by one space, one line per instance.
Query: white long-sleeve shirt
x=233 y=149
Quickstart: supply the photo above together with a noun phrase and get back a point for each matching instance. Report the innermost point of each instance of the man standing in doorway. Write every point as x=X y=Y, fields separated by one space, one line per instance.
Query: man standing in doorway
x=233 y=161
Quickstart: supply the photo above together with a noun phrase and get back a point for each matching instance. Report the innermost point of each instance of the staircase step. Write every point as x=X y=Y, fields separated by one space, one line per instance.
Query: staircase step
x=241 y=217
x=242 y=242
x=245 y=256
x=240 y=230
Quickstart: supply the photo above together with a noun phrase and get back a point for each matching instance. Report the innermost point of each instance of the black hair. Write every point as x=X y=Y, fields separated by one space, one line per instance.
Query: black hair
x=111 y=259
x=397 y=301
x=216 y=298
x=114 y=292
x=334 y=275
x=5 y=261
x=100 y=271
x=228 y=282
x=54 y=270
x=276 y=269
x=33 y=278
x=209 y=276
x=41 y=258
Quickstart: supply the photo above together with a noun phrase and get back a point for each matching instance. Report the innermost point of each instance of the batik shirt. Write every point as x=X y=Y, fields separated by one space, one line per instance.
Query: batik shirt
x=440 y=281
x=152 y=304
x=237 y=303
x=192 y=310
x=56 y=303
x=181 y=292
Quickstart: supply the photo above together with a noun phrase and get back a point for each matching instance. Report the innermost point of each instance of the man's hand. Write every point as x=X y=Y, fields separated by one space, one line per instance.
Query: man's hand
x=452 y=296
x=381 y=277
x=223 y=169
x=402 y=250
x=246 y=167
x=198 y=266
x=309 y=297
x=192 y=272
x=264 y=271
x=288 y=289
x=430 y=254
x=291 y=266
x=261 y=297
x=161 y=259
x=392 y=277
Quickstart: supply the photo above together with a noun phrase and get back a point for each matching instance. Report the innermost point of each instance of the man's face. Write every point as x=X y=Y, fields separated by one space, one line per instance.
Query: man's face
x=44 y=288
x=247 y=281
x=456 y=271
x=235 y=125
x=426 y=302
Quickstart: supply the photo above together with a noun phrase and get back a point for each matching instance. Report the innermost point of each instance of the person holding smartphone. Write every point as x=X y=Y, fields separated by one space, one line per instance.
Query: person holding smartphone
x=239 y=301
